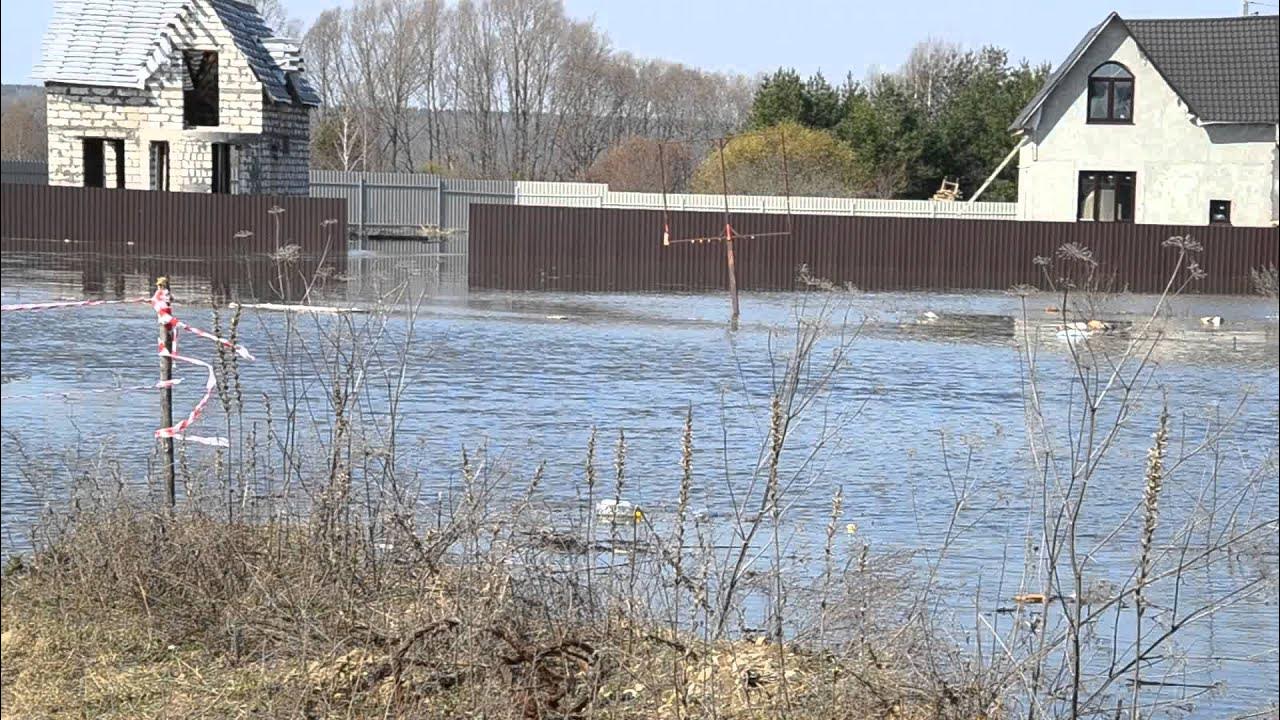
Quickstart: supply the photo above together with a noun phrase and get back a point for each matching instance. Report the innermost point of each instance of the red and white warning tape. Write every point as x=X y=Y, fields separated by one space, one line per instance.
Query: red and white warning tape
x=162 y=303
x=68 y=304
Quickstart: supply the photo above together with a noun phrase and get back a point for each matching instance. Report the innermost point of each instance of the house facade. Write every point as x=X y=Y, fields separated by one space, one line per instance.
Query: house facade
x=181 y=95
x=1157 y=121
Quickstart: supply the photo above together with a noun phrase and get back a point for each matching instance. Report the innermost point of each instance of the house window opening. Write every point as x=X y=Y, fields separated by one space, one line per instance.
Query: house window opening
x=1219 y=212
x=225 y=159
x=200 y=89
x=160 y=166
x=94 y=163
x=103 y=163
x=1111 y=94
x=1105 y=196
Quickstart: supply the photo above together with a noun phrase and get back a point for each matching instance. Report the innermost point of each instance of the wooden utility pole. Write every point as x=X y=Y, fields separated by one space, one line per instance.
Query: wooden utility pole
x=166 y=398
x=728 y=243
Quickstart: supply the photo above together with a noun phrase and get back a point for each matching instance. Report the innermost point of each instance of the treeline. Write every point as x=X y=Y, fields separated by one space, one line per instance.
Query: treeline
x=496 y=88
x=944 y=114
x=517 y=89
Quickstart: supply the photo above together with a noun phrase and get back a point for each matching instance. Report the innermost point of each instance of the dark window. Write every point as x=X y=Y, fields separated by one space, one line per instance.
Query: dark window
x=224 y=168
x=200 y=91
x=117 y=147
x=159 y=166
x=1111 y=94
x=94 y=163
x=1219 y=212
x=1105 y=196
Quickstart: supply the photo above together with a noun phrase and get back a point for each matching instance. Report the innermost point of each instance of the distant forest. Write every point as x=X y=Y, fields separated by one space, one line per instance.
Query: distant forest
x=518 y=89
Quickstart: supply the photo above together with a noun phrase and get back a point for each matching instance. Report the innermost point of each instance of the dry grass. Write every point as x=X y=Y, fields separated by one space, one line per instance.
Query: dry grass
x=138 y=615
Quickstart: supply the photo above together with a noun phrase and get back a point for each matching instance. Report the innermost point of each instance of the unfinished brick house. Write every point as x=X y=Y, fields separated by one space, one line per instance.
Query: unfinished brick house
x=184 y=95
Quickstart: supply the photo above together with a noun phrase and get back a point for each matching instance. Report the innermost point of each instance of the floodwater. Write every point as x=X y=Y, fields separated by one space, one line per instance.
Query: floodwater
x=928 y=408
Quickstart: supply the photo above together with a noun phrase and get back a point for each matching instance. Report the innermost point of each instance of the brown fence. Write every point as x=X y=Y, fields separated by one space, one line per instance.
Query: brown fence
x=266 y=247
x=589 y=249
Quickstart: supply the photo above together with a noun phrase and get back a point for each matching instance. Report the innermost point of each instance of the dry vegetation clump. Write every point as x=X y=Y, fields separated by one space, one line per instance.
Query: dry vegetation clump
x=135 y=614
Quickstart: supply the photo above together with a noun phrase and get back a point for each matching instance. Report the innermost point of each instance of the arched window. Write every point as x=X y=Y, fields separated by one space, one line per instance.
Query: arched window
x=1111 y=94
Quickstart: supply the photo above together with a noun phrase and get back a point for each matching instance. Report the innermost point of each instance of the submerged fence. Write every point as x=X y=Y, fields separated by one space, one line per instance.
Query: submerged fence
x=258 y=246
x=587 y=249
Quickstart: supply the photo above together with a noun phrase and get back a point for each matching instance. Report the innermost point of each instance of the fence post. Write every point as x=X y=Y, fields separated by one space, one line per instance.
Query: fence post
x=360 y=221
x=166 y=392
x=440 y=212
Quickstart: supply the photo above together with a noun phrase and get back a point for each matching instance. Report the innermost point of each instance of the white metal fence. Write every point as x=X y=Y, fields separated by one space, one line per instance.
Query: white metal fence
x=573 y=194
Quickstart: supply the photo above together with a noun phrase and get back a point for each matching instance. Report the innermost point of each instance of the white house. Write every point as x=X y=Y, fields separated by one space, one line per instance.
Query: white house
x=190 y=95
x=1157 y=121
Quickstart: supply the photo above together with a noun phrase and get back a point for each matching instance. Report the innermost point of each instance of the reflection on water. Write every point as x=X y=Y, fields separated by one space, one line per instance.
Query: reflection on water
x=531 y=374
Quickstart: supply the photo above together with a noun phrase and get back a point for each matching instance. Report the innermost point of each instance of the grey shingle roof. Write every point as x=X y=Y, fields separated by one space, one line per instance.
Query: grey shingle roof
x=251 y=34
x=120 y=43
x=106 y=42
x=1224 y=69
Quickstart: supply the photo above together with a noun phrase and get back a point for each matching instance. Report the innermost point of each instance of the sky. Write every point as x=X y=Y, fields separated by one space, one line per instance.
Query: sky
x=757 y=36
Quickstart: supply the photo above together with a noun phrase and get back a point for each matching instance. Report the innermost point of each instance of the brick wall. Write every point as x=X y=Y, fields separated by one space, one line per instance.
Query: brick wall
x=272 y=139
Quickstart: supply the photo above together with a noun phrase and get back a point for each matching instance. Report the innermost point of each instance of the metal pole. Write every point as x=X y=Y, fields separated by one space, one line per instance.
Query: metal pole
x=728 y=243
x=786 y=173
x=360 y=219
x=666 y=219
x=166 y=397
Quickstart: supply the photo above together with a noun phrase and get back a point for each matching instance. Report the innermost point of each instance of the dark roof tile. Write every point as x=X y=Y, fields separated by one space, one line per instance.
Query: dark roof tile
x=1226 y=69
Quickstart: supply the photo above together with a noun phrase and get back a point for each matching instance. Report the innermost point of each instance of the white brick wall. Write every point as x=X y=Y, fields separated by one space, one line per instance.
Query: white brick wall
x=154 y=114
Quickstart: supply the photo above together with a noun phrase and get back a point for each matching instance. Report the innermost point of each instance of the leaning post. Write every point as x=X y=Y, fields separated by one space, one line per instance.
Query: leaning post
x=166 y=393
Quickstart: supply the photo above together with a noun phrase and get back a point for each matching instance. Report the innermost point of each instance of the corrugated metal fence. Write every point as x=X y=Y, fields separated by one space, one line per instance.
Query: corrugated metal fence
x=585 y=249
x=409 y=227
x=598 y=195
x=22 y=172
x=261 y=246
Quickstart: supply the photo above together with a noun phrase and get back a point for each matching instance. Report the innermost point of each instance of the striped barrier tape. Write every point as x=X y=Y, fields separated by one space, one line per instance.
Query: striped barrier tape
x=162 y=303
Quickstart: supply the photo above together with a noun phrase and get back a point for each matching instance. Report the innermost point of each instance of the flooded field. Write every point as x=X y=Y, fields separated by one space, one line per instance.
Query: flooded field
x=929 y=407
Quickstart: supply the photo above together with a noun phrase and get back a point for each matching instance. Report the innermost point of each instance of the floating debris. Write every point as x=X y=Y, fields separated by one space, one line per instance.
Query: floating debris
x=612 y=509
x=1211 y=320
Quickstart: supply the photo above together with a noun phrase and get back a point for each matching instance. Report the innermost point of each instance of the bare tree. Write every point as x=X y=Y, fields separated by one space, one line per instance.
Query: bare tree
x=278 y=19
x=474 y=74
x=530 y=38
x=637 y=164
x=22 y=129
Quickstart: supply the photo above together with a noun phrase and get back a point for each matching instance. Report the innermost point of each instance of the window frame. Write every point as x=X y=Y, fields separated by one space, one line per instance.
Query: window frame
x=159 y=165
x=93 y=170
x=1110 y=83
x=1097 y=187
x=202 y=103
x=1227 y=220
x=224 y=175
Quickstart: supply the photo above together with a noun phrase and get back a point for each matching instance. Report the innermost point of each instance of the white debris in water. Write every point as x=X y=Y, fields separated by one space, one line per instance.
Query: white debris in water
x=612 y=509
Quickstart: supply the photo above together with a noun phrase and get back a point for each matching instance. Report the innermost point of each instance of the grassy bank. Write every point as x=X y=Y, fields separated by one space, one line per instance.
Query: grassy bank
x=135 y=614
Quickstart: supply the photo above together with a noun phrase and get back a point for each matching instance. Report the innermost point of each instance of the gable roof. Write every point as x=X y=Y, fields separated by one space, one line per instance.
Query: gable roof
x=121 y=43
x=1225 y=69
